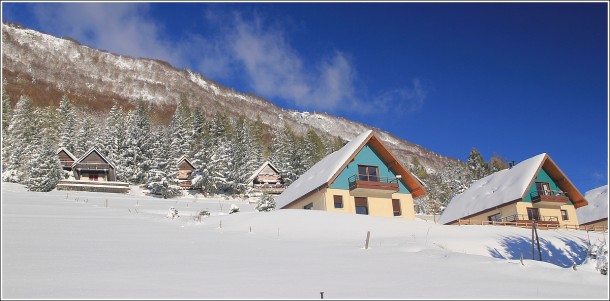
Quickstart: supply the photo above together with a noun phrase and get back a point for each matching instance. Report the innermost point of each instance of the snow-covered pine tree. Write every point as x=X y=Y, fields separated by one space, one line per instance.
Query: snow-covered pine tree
x=181 y=127
x=21 y=134
x=67 y=116
x=137 y=156
x=6 y=120
x=199 y=131
x=284 y=152
x=162 y=178
x=244 y=157
x=114 y=135
x=477 y=165
x=314 y=149
x=212 y=175
x=44 y=167
x=266 y=203
x=85 y=137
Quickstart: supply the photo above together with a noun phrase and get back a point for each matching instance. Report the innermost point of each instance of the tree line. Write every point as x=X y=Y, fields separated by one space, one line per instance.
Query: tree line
x=225 y=151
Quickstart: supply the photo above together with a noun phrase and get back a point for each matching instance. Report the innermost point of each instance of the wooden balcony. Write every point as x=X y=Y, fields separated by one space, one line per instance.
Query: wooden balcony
x=374 y=186
x=549 y=198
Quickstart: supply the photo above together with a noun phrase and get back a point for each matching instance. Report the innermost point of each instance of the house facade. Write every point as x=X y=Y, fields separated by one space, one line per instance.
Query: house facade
x=185 y=170
x=93 y=166
x=66 y=158
x=363 y=177
x=535 y=189
x=267 y=179
x=595 y=215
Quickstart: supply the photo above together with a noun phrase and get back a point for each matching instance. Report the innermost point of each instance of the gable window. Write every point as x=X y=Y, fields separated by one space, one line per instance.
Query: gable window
x=543 y=188
x=338 y=201
x=396 y=207
x=368 y=173
x=532 y=214
x=308 y=206
x=362 y=206
x=494 y=218
x=564 y=215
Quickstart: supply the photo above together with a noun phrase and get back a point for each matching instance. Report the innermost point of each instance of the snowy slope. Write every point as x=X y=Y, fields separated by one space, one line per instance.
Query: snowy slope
x=63 y=245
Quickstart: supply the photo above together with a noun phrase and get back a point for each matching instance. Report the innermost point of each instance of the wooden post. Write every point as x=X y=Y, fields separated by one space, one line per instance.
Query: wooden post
x=220 y=224
x=321 y=295
x=538 y=243
x=106 y=203
x=368 y=236
x=250 y=229
x=522 y=259
x=278 y=232
x=533 y=240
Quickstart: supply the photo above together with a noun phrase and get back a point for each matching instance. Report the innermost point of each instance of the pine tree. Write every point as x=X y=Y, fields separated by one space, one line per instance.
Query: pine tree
x=418 y=169
x=114 y=135
x=266 y=203
x=137 y=155
x=6 y=120
x=85 y=137
x=314 y=149
x=44 y=168
x=67 y=116
x=477 y=165
x=284 y=153
x=181 y=128
x=21 y=138
x=162 y=178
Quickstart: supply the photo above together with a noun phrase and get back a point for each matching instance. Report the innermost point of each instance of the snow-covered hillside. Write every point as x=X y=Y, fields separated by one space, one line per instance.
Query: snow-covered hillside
x=45 y=65
x=99 y=245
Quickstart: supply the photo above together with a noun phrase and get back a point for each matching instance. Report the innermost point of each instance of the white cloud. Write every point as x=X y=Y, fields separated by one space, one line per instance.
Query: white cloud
x=123 y=28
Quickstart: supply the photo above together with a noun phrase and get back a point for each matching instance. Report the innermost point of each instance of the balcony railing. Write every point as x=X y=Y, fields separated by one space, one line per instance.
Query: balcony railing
x=372 y=182
x=525 y=217
x=549 y=197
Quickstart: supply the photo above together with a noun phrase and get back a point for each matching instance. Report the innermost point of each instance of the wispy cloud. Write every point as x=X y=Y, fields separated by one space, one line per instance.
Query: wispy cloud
x=244 y=46
x=124 y=28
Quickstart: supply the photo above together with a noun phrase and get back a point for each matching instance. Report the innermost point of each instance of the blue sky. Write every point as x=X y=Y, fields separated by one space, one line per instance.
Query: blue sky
x=516 y=79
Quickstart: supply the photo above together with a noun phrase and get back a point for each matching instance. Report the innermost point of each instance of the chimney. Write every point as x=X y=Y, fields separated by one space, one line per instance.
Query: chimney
x=511 y=164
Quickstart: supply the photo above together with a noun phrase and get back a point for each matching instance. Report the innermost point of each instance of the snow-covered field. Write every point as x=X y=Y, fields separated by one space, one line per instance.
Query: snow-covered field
x=63 y=245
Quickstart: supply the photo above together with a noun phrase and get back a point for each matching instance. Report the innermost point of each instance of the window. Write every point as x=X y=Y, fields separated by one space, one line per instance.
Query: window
x=543 y=188
x=396 y=207
x=368 y=173
x=338 y=201
x=308 y=206
x=494 y=218
x=532 y=214
x=564 y=215
x=361 y=205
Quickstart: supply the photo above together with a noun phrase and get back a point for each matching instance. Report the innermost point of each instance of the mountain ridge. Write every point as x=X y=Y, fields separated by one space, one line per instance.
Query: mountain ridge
x=46 y=67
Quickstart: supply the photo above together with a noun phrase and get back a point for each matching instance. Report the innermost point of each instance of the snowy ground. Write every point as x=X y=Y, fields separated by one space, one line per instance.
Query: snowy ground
x=62 y=245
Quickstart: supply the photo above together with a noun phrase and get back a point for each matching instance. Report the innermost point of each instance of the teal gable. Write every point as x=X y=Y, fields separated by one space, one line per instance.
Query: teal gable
x=366 y=156
x=542 y=176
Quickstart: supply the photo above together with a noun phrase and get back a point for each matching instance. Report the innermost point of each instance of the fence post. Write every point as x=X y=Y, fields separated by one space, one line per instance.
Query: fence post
x=368 y=236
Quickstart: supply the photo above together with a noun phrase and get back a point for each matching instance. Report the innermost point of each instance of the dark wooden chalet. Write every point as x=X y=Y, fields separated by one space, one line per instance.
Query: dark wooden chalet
x=185 y=170
x=93 y=166
x=66 y=158
x=266 y=178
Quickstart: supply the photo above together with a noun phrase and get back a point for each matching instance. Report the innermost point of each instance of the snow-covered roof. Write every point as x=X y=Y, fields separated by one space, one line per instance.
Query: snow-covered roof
x=321 y=173
x=327 y=169
x=506 y=186
x=93 y=149
x=255 y=173
x=65 y=150
x=184 y=158
x=597 y=208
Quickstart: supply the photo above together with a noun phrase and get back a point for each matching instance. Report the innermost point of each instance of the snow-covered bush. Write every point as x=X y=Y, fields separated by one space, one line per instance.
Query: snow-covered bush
x=172 y=213
x=599 y=252
x=234 y=209
x=265 y=203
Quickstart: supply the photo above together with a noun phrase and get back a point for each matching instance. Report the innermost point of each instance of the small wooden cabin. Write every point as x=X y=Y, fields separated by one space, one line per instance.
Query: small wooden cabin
x=66 y=158
x=185 y=170
x=266 y=178
x=93 y=166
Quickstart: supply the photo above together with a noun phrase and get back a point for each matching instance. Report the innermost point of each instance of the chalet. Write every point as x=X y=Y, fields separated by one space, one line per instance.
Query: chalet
x=185 y=170
x=66 y=158
x=93 y=166
x=595 y=215
x=535 y=189
x=266 y=178
x=363 y=177
x=93 y=172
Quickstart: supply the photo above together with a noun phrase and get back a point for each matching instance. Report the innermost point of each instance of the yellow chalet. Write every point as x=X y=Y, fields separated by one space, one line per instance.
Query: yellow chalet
x=535 y=189
x=363 y=177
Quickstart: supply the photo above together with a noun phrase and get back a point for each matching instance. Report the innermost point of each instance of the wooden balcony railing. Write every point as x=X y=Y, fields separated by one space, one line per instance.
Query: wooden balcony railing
x=550 y=197
x=372 y=182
